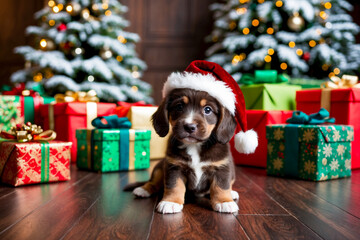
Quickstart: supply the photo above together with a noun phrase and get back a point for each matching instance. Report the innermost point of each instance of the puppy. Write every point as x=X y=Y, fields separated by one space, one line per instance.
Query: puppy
x=198 y=158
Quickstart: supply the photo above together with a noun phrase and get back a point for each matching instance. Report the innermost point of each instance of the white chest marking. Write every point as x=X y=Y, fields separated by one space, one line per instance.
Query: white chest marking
x=193 y=150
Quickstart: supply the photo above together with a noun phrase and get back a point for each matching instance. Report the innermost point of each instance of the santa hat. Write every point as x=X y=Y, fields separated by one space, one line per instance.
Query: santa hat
x=213 y=79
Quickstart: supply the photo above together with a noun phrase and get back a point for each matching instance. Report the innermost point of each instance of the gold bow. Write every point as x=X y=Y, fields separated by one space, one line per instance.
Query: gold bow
x=28 y=132
x=347 y=81
x=79 y=96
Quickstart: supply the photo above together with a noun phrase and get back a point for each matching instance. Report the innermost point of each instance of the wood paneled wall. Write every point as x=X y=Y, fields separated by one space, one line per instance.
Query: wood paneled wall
x=172 y=34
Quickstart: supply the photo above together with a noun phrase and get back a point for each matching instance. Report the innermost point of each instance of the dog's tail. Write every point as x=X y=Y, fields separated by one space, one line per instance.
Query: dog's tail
x=132 y=186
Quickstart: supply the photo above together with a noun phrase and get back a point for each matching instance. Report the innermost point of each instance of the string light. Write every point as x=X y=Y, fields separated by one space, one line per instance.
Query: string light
x=121 y=39
x=325 y=67
x=105 y=6
x=299 y=52
x=134 y=88
x=95 y=7
x=283 y=66
x=270 y=30
x=323 y=15
x=241 y=10
x=327 y=5
x=52 y=22
x=235 y=60
x=135 y=74
x=60 y=6
x=279 y=3
x=246 y=31
x=312 y=43
x=292 y=44
x=232 y=25
x=55 y=9
x=69 y=8
x=43 y=43
x=38 y=77
x=242 y=56
x=336 y=71
x=331 y=75
x=51 y=3
x=119 y=58
x=108 y=13
x=78 y=51
x=90 y=78
x=255 y=22
x=318 y=31
x=267 y=58
x=271 y=51
x=85 y=13
x=261 y=1
x=243 y=1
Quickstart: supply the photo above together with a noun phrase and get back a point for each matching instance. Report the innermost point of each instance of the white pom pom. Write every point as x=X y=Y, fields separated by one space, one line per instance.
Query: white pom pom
x=246 y=142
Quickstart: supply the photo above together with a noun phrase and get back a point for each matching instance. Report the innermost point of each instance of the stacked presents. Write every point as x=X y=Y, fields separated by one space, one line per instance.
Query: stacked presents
x=293 y=143
x=97 y=136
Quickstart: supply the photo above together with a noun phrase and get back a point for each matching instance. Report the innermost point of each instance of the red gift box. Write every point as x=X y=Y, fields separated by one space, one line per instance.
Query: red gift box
x=343 y=105
x=34 y=162
x=124 y=107
x=257 y=120
x=65 y=118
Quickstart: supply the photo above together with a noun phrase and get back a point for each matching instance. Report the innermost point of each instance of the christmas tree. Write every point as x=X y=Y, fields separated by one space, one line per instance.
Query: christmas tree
x=303 y=38
x=81 y=45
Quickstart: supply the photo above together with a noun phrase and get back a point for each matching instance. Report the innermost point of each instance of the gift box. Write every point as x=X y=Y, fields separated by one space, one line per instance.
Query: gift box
x=140 y=118
x=34 y=162
x=257 y=120
x=20 y=109
x=65 y=118
x=310 y=152
x=343 y=105
x=109 y=150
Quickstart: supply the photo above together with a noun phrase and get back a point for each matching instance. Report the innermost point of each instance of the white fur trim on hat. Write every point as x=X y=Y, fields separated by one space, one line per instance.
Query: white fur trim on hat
x=246 y=142
x=207 y=83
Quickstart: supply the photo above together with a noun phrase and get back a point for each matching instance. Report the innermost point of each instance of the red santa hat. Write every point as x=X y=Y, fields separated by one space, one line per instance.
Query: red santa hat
x=213 y=79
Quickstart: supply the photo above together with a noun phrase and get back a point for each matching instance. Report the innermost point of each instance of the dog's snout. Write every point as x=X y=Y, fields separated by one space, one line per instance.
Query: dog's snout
x=190 y=127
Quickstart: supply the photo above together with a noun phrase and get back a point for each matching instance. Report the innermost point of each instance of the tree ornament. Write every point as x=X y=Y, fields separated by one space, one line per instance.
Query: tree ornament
x=62 y=27
x=73 y=8
x=105 y=53
x=85 y=14
x=296 y=22
x=306 y=56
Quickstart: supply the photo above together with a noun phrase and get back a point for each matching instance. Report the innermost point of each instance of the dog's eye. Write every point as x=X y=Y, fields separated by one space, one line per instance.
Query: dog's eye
x=207 y=110
x=179 y=107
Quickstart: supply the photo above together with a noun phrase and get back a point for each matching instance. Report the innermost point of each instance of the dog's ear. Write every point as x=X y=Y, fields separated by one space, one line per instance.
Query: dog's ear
x=160 y=119
x=226 y=126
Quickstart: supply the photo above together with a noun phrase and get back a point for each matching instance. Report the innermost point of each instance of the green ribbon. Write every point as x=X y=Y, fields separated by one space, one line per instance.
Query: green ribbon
x=45 y=161
x=263 y=76
x=29 y=109
x=291 y=163
x=320 y=117
x=124 y=154
x=112 y=121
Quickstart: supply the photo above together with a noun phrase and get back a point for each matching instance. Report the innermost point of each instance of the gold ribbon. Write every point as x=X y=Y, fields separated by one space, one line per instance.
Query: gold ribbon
x=131 y=149
x=78 y=96
x=91 y=114
x=28 y=132
x=346 y=81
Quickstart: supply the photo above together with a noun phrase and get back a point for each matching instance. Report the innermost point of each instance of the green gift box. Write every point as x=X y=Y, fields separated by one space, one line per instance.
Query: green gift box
x=272 y=96
x=109 y=150
x=20 y=109
x=310 y=152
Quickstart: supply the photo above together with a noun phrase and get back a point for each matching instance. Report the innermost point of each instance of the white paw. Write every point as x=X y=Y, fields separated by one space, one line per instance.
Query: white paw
x=226 y=207
x=234 y=195
x=140 y=192
x=169 y=207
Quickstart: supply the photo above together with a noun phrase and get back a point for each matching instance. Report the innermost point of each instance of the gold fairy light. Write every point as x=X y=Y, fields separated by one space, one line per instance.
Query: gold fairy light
x=105 y=6
x=60 y=6
x=246 y=31
x=270 y=30
x=299 y=51
x=119 y=58
x=241 y=10
x=327 y=5
x=325 y=67
x=38 y=77
x=52 y=22
x=283 y=66
x=331 y=75
x=43 y=43
x=243 y=1
x=108 y=13
x=279 y=3
x=271 y=51
x=134 y=88
x=336 y=71
x=55 y=9
x=235 y=60
x=135 y=74
x=255 y=22
x=232 y=25
x=323 y=15
x=261 y=1
x=51 y=3
x=292 y=44
x=267 y=58
x=312 y=43
x=69 y=8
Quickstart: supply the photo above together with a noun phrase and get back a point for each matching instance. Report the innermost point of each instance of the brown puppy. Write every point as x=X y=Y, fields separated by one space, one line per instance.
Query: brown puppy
x=198 y=156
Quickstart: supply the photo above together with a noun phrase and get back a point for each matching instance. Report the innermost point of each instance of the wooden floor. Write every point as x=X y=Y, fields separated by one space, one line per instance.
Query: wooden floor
x=93 y=205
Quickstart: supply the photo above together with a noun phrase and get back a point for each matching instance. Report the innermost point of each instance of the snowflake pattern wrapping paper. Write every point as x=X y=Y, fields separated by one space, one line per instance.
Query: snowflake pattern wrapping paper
x=34 y=162
x=109 y=150
x=310 y=152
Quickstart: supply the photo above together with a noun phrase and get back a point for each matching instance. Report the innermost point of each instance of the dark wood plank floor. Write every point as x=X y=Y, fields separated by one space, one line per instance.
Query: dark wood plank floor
x=93 y=206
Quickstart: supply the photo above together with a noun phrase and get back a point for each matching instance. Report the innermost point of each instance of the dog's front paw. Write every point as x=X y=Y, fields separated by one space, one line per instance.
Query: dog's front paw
x=234 y=195
x=226 y=207
x=169 y=207
x=140 y=192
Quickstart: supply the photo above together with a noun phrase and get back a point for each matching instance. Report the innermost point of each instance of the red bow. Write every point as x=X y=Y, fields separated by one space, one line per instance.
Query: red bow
x=124 y=107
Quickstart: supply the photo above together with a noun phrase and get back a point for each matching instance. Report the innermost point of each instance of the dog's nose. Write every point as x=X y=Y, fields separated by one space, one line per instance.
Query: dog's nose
x=190 y=127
